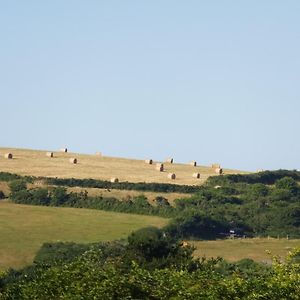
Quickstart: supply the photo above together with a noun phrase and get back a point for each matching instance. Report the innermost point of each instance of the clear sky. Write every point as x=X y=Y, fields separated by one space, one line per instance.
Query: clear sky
x=212 y=81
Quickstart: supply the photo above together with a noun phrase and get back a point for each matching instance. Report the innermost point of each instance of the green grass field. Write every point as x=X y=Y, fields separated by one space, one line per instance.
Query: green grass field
x=24 y=228
x=234 y=250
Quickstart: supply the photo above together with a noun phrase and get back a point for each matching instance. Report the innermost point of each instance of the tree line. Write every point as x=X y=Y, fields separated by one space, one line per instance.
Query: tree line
x=245 y=209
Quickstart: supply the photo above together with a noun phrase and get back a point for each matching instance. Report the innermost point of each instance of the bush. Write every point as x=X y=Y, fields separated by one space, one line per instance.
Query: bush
x=197 y=227
x=287 y=183
x=17 y=185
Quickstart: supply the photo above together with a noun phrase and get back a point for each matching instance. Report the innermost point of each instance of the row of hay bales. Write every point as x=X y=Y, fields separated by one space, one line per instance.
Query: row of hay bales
x=72 y=160
x=191 y=163
x=171 y=161
x=160 y=167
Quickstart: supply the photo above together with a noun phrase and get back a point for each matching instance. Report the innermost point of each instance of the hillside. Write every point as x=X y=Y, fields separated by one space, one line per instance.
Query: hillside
x=235 y=249
x=24 y=228
x=35 y=162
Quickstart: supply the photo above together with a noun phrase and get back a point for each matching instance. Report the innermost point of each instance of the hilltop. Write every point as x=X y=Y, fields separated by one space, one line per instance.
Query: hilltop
x=36 y=163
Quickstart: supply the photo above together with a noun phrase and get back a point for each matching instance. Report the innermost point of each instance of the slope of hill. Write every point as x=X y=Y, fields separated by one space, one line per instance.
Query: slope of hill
x=34 y=162
x=24 y=228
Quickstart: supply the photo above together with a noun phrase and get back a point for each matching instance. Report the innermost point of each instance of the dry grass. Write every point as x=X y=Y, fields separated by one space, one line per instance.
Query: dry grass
x=4 y=188
x=33 y=162
x=234 y=250
x=24 y=228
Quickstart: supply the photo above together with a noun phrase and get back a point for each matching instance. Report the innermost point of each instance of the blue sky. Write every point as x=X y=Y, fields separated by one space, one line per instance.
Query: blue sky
x=212 y=81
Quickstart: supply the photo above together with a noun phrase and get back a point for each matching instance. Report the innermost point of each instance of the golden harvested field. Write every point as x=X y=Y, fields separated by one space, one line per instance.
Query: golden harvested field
x=36 y=163
x=24 y=228
x=234 y=250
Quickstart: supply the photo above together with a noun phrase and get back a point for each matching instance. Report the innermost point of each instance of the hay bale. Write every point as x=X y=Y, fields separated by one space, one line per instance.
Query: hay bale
x=172 y=176
x=114 y=180
x=170 y=160
x=149 y=161
x=219 y=171
x=8 y=156
x=65 y=150
x=193 y=163
x=184 y=244
x=98 y=153
x=196 y=175
x=73 y=160
x=50 y=154
x=160 y=167
x=215 y=166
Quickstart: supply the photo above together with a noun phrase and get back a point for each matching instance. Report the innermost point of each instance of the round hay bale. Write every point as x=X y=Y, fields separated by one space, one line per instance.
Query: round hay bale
x=65 y=150
x=216 y=166
x=196 y=175
x=8 y=156
x=172 y=176
x=98 y=154
x=193 y=163
x=170 y=160
x=184 y=244
x=160 y=167
x=114 y=180
x=73 y=160
x=149 y=161
x=219 y=171
x=50 y=154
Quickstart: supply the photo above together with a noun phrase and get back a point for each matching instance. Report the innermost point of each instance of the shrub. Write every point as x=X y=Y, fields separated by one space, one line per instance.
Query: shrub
x=17 y=185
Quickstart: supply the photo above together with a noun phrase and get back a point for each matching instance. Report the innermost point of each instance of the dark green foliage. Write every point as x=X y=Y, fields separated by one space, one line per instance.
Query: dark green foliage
x=287 y=183
x=155 y=248
x=245 y=268
x=266 y=177
x=17 y=185
x=104 y=184
x=5 y=176
x=58 y=253
x=40 y=196
x=197 y=227
x=59 y=196
x=93 y=275
x=139 y=186
x=161 y=201
x=257 y=190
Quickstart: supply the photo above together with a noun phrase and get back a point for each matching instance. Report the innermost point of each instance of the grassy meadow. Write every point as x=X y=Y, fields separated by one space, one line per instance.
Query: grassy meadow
x=33 y=162
x=24 y=228
x=234 y=250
